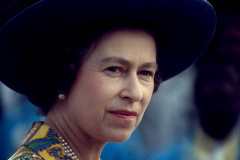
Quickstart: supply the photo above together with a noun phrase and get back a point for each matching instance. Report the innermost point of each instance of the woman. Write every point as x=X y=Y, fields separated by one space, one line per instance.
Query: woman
x=92 y=66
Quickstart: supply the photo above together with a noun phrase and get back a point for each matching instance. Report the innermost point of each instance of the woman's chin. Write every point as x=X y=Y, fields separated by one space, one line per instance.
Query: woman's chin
x=119 y=138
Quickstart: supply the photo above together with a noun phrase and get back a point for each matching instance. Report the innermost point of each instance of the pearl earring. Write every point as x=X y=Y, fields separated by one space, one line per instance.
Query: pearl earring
x=61 y=96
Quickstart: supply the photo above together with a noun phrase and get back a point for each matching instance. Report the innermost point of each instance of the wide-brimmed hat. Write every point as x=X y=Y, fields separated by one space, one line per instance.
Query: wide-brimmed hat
x=186 y=25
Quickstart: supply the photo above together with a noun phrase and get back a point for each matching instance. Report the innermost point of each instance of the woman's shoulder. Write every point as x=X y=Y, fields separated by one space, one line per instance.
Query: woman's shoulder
x=25 y=153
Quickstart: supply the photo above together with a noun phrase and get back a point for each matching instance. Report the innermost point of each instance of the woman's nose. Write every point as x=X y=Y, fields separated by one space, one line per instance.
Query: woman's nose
x=132 y=89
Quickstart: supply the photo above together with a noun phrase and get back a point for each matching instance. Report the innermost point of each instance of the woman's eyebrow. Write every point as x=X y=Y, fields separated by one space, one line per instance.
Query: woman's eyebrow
x=115 y=59
x=126 y=62
x=150 y=65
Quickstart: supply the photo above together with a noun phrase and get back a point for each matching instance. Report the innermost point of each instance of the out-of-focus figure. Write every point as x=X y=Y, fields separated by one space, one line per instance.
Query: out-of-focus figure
x=218 y=94
x=217 y=100
x=217 y=103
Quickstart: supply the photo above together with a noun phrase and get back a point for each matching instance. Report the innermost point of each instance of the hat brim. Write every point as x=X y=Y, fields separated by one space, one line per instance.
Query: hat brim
x=189 y=26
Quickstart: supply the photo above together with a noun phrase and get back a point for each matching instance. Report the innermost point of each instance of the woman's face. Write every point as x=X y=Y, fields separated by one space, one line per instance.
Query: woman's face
x=114 y=85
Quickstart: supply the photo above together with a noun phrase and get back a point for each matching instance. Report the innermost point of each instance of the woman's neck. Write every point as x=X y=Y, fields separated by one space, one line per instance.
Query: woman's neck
x=84 y=146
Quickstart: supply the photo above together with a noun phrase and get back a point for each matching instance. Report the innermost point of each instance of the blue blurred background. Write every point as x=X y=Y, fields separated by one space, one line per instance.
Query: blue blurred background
x=194 y=114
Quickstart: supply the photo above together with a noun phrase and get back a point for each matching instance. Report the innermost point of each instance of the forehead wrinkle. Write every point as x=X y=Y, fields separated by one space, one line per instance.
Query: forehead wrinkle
x=115 y=59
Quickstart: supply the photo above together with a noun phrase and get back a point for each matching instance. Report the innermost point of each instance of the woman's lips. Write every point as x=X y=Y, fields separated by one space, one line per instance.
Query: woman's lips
x=124 y=114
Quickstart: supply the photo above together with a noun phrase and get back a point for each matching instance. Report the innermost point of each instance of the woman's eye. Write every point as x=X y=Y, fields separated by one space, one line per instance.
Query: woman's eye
x=113 y=69
x=146 y=73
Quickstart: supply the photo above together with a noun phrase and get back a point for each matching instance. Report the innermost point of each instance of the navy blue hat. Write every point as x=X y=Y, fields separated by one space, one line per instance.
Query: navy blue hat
x=188 y=26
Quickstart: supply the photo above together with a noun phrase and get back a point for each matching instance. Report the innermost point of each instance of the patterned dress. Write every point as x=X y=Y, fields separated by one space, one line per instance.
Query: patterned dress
x=41 y=143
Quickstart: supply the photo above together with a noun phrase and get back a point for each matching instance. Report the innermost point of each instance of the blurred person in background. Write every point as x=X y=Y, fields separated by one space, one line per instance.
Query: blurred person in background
x=217 y=99
x=218 y=94
x=217 y=104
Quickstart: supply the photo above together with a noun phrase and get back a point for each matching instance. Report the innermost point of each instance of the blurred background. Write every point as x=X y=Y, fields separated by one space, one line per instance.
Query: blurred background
x=194 y=115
